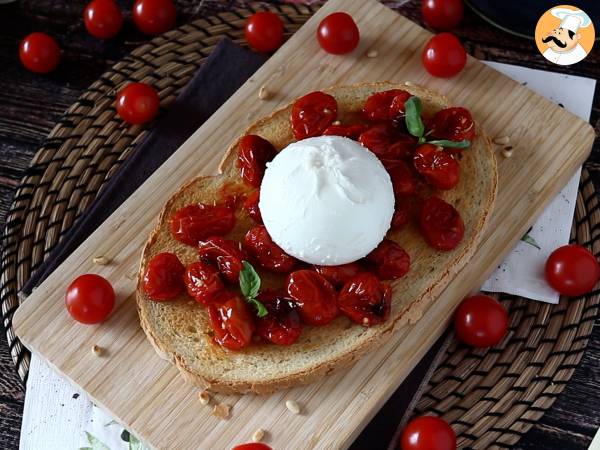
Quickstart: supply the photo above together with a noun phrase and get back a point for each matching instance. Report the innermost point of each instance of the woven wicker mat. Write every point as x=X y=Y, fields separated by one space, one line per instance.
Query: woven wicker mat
x=490 y=396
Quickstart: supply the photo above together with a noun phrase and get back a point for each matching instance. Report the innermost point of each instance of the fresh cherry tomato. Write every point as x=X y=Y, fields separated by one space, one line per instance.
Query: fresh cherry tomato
x=403 y=180
x=439 y=168
x=226 y=254
x=232 y=322
x=194 y=223
x=103 y=18
x=444 y=56
x=365 y=300
x=90 y=298
x=252 y=446
x=137 y=103
x=339 y=275
x=281 y=325
x=390 y=261
x=338 y=33
x=442 y=14
x=480 y=321
x=163 y=279
x=385 y=105
x=314 y=296
x=428 y=433
x=154 y=17
x=312 y=114
x=453 y=124
x=251 y=206
x=441 y=224
x=572 y=270
x=255 y=152
x=268 y=254
x=39 y=53
x=349 y=131
x=405 y=210
x=203 y=282
x=264 y=31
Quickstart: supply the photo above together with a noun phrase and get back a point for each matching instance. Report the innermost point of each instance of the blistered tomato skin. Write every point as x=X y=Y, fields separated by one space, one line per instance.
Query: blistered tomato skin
x=480 y=321
x=203 y=282
x=439 y=168
x=254 y=154
x=163 y=278
x=281 y=325
x=338 y=34
x=366 y=300
x=194 y=223
x=251 y=206
x=385 y=105
x=339 y=275
x=232 y=323
x=312 y=114
x=314 y=296
x=572 y=270
x=453 y=124
x=349 y=131
x=405 y=210
x=389 y=260
x=90 y=299
x=403 y=180
x=268 y=254
x=226 y=254
x=441 y=224
x=378 y=138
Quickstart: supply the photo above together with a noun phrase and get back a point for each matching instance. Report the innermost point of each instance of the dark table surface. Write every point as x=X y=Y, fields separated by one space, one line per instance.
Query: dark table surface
x=31 y=104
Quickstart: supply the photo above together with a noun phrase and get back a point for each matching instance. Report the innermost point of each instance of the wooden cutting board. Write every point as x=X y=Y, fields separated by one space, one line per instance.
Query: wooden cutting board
x=146 y=393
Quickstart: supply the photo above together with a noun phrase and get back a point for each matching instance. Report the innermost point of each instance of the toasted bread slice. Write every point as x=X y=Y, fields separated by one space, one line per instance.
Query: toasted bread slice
x=179 y=329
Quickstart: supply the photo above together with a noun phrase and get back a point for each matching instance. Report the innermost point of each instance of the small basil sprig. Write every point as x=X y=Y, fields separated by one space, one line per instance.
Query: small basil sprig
x=250 y=286
x=415 y=126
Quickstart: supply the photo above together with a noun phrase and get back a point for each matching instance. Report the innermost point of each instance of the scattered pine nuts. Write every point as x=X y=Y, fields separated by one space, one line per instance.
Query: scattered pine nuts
x=327 y=111
x=502 y=140
x=97 y=350
x=263 y=93
x=365 y=321
x=258 y=435
x=409 y=83
x=372 y=54
x=292 y=406
x=336 y=123
x=204 y=397
x=100 y=260
x=507 y=152
x=222 y=411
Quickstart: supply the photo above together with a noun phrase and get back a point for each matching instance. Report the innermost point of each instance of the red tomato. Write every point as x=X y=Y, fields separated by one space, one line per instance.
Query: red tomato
x=441 y=224
x=90 y=299
x=453 y=124
x=232 y=322
x=442 y=14
x=226 y=254
x=480 y=321
x=251 y=206
x=349 y=131
x=281 y=325
x=102 y=18
x=444 y=56
x=154 y=17
x=390 y=261
x=203 y=283
x=439 y=168
x=405 y=210
x=379 y=138
x=163 y=279
x=314 y=296
x=428 y=433
x=572 y=270
x=39 y=53
x=338 y=33
x=378 y=106
x=365 y=300
x=252 y=446
x=255 y=152
x=268 y=254
x=339 y=275
x=264 y=31
x=194 y=223
x=312 y=114
x=137 y=103
x=403 y=180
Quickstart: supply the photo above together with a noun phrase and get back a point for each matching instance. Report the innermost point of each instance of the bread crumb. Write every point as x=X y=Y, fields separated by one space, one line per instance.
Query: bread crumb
x=97 y=350
x=263 y=93
x=292 y=406
x=222 y=411
x=204 y=397
x=258 y=435
x=100 y=260
x=372 y=54
x=502 y=140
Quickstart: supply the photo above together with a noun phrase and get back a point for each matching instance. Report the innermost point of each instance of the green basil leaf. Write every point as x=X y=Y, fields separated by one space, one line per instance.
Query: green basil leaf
x=451 y=144
x=261 y=311
x=249 y=280
x=412 y=116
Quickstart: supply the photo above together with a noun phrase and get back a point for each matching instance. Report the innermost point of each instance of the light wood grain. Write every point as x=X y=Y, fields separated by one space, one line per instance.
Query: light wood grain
x=146 y=393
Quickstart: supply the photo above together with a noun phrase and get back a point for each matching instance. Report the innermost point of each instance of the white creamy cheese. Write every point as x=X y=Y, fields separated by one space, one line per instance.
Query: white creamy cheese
x=326 y=200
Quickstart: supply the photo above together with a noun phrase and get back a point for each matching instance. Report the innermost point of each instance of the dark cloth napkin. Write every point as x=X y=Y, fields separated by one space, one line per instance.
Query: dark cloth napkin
x=227 y=68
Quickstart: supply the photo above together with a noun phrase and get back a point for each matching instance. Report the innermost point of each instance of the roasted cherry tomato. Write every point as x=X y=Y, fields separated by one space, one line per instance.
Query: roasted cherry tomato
x=90 y=298
x=366 y=300
x=194 y=223
x=403 y=179
x=252 y=446
x=349 y=131
x=226 y=254
x=314 y=296
x=442 y=14
x=312 y=114
x=339 y=275
x=444 y=56
x=428 y=433
x=154 y=17
x=378 y=139
x=480 y=321
x=251 y=206
x=264 y=31
x=268 y=254
x=281 y=325
x=203 y=282
x=39 y=53
x=439 y=168
x=389 y=260
x=441 y=224
x=163 y=279
x=137 y=103
x=103 y=18
x=338 y=33
x=232 y=322
x=255 y=152
x=453 y=124
x=405 y=210
x=385 y=105
x=572 y=270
